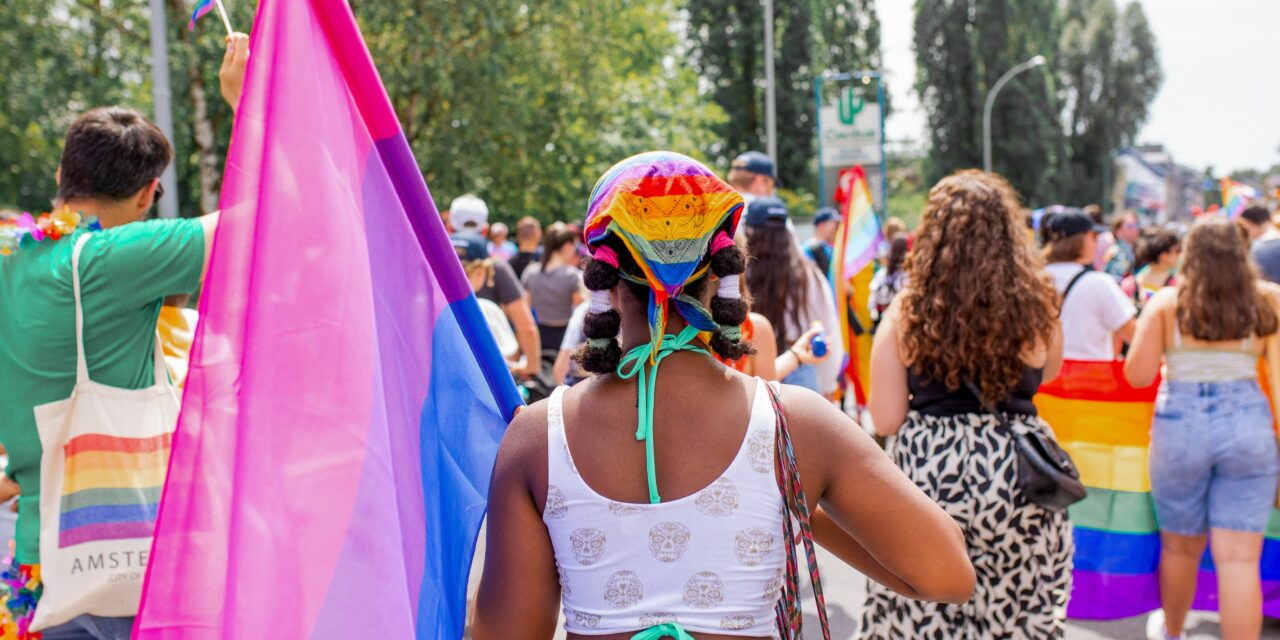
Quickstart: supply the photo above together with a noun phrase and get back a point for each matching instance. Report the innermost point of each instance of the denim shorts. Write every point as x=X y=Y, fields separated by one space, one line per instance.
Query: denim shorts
x=804 y=376
x=1213 y=457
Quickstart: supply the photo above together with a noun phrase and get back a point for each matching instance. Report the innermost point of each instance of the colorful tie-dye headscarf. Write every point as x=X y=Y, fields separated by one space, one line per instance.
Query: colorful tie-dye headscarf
x=667 y=209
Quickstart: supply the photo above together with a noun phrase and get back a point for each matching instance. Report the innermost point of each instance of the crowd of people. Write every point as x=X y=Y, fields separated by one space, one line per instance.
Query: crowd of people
x=666 y=505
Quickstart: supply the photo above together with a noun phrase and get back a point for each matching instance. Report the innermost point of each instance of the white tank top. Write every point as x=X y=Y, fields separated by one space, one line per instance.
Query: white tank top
x=712 y=562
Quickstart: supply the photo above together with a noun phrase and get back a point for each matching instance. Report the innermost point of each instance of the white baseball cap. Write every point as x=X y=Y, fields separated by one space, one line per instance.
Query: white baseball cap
x=469 y=212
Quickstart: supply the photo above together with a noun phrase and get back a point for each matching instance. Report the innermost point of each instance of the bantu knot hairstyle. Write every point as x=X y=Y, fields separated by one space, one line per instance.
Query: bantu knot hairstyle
x=601 y=326
x=728 y=308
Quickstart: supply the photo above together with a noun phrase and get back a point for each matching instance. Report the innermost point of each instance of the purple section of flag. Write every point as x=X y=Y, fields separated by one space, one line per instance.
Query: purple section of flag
x=104 y=531
x=312 y=458
x=1101 y=596
x=203 y=7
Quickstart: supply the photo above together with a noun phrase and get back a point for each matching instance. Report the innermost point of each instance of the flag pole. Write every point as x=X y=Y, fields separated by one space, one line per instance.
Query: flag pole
x=222 y=13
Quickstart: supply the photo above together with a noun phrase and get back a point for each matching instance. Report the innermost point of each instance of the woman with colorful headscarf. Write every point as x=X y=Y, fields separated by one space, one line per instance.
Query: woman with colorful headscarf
x=677 y=527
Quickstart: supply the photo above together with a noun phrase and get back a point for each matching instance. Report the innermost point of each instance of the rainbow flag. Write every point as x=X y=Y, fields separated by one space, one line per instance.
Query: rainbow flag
x=203 y=7
x=1104 y=423
x=1236 y=197
x=852 y=267
x=345 y=398
x=111 y=487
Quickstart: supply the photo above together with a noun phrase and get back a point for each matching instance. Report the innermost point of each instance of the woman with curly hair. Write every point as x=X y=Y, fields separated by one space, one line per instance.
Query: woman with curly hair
x=977 y=313
x=646 y=504
x=1213 y=459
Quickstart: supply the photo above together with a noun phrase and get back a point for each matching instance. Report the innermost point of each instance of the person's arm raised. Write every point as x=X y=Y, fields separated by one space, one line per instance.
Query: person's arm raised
x=234 y=62
x=873 y=516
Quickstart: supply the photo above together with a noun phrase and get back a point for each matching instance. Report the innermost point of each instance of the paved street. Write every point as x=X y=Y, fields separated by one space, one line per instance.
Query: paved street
x=845 y=589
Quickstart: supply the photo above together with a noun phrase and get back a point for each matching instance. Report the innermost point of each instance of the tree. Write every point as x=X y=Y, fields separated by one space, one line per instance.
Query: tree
x=811 y=37
x=962 y=49
x=519 y=103
x=1111 y=74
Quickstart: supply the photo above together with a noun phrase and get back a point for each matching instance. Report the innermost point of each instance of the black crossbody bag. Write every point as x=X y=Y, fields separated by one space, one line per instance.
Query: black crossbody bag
x=1046 y=474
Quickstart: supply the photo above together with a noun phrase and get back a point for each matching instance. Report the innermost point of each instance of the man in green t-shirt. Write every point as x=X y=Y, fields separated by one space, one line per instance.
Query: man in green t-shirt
x=110 y=169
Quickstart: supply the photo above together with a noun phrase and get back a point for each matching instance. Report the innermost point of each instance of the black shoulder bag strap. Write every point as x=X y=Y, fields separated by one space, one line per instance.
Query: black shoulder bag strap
x=1072 y=284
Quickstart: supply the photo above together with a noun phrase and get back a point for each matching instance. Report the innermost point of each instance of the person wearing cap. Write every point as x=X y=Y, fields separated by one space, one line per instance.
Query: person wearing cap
x=1121 y=256
x=821 y=246
x=1096 y=314
x=493 y=282
x=1264 y=241
x=788 y=290
x=753 y=175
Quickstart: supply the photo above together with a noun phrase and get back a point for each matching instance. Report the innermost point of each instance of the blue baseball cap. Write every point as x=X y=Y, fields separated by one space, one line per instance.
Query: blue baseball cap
x=469 y=246
x=824 y=214
x=768 y=211
x=756 y=162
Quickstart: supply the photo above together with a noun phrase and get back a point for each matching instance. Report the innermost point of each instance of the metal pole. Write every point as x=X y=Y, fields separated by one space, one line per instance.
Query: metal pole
x=822 y=171
x=884 y=159
x=991 y=99
x=161 y=98
x=770 y=106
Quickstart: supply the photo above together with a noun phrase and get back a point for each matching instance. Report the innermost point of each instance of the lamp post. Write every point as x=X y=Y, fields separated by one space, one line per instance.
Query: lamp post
x=991 y=99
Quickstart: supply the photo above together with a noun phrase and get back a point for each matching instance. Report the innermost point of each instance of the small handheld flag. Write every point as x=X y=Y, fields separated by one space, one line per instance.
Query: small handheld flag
x=1236 y=197
x=203 y=7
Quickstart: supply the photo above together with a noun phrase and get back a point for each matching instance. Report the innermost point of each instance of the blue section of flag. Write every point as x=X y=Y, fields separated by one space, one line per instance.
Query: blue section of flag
x=456 y=464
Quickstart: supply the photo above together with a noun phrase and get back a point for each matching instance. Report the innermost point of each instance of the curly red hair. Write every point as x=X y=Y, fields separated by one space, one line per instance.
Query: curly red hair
x=977 y=299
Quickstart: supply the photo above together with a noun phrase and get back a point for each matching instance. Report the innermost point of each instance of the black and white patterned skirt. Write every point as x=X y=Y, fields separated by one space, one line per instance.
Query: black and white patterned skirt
x=1020 y=551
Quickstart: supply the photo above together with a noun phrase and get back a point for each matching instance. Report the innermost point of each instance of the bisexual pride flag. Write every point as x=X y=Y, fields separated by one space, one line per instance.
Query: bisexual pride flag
x=345 y=400
x=1104 y=424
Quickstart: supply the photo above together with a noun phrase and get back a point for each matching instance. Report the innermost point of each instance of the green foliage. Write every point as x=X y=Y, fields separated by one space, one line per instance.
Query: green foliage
x=1100 y=80
x=527 y=104
x=811 y=37
x=1110 y=74
x=59 y=57
x=962 y=49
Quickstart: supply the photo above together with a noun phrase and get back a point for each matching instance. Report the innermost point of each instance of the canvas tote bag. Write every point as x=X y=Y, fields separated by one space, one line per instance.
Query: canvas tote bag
x=106 y=451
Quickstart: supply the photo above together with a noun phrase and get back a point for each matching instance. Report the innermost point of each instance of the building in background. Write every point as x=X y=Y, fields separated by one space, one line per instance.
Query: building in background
x=1150 y=182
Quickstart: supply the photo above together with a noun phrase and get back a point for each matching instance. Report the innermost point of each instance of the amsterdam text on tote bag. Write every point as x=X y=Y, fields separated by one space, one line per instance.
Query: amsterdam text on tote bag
x=106 y=450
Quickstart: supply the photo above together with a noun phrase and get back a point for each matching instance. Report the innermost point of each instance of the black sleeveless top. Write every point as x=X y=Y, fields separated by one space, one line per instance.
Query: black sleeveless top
x=932 y=398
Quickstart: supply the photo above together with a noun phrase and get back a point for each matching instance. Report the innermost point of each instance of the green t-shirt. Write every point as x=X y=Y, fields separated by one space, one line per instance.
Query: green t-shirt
x=125 y=273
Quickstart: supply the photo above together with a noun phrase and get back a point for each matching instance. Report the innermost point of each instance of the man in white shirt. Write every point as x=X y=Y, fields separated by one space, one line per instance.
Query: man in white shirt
x=1097 y=317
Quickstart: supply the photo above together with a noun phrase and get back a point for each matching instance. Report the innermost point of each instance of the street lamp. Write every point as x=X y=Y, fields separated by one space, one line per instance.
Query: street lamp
x=991 y=99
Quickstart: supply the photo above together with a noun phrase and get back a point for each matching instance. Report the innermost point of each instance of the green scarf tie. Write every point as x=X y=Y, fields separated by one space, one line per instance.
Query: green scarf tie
x=664 y=630
x=633 y=365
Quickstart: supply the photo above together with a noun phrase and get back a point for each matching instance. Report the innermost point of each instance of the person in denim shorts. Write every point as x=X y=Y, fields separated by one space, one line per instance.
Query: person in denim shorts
x=1213 y=458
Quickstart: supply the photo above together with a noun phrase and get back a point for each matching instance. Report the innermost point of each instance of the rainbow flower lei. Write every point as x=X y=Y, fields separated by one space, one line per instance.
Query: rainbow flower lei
x=17 y=232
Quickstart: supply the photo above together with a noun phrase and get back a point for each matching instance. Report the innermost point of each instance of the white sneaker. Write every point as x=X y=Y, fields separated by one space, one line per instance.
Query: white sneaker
x=1155 y=627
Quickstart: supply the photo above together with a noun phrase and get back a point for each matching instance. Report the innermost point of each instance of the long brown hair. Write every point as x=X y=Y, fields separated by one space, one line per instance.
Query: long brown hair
x=777 y=275
x=1218 y=297
x=977 y=297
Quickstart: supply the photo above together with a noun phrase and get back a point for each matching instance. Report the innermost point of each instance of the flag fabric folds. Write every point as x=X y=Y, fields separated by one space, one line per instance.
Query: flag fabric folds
x=203 y=7
x=345 y=399
x=1236 y=197
x=1104 y=424
x=852 y=266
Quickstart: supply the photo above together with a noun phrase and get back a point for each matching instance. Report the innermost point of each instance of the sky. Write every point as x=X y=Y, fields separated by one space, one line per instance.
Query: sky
x=1219 y=104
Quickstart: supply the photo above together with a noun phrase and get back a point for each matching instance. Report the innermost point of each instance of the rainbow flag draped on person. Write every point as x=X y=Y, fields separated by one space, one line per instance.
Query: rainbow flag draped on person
x=345 y=400
x=852 y=266
x=1236 y=197
x=1104 y=424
